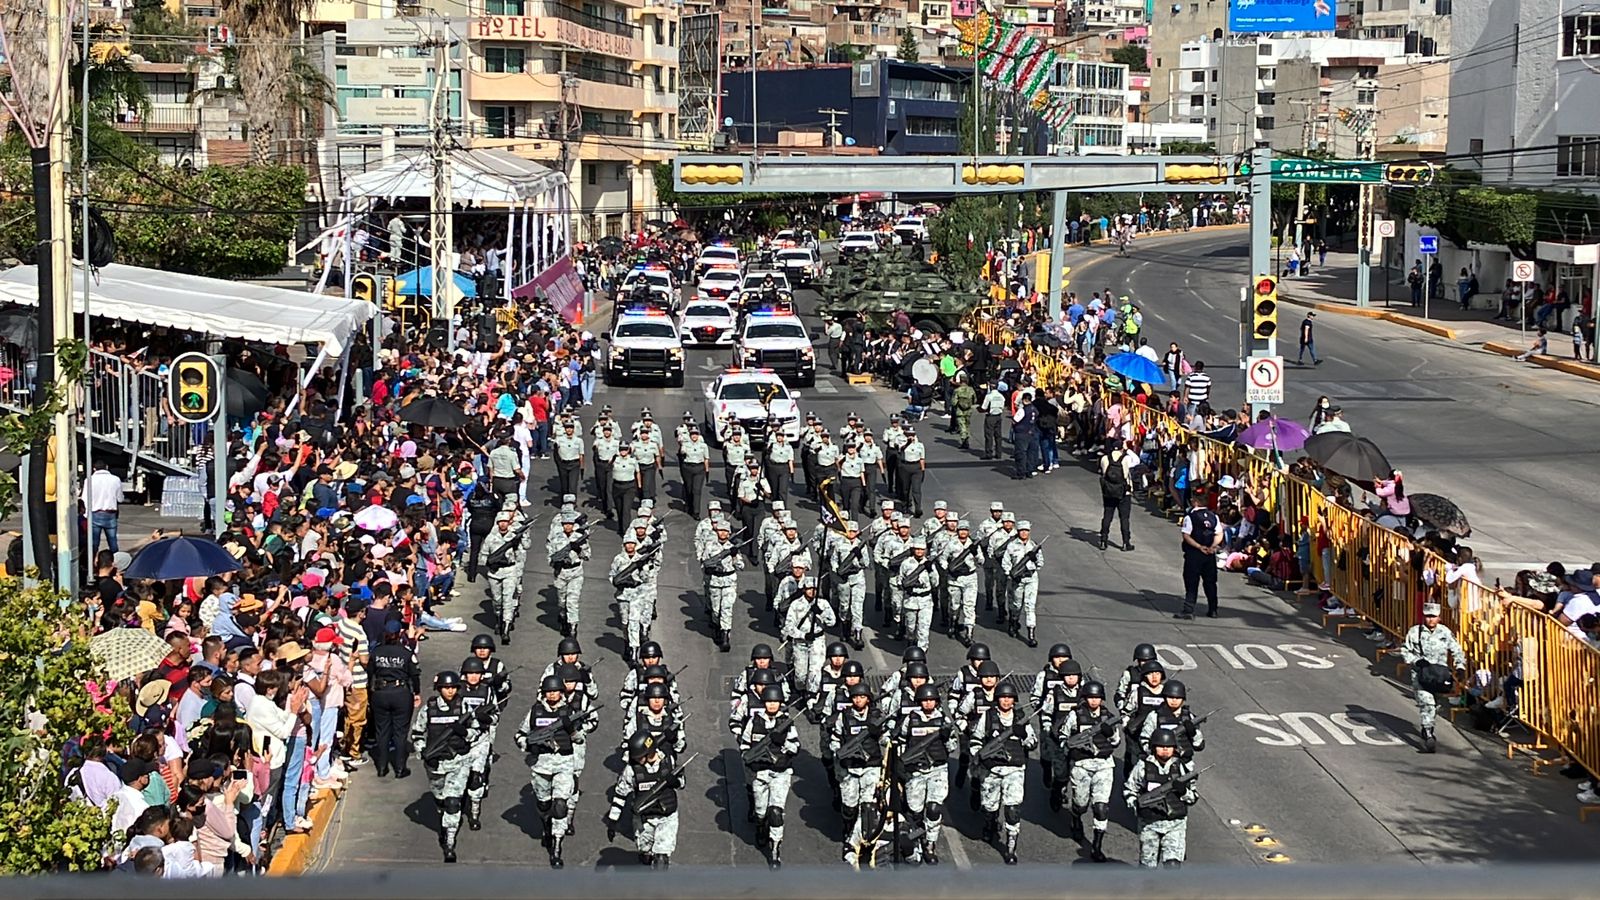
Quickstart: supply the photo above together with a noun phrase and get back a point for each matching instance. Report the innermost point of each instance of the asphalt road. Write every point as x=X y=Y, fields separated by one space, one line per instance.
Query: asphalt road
x=1516 y=446
x=1310 y=742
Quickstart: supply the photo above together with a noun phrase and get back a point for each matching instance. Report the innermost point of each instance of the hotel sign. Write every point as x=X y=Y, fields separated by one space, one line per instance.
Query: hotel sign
x=546 y=29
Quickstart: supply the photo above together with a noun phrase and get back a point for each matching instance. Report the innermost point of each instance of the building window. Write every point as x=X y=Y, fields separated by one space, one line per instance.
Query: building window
x=1197 y=78
x=1367 y=96
x=1266 y=123
x=1267 y=73
x=1580 y=35
x=930 y=126
x=1265 y=98
x=1475 y=148
x=499 y=121
x=1578 y=155
x=503 y=59
x=591 y=174
x=911 y=89
x=504 y=7
x=1263 y=49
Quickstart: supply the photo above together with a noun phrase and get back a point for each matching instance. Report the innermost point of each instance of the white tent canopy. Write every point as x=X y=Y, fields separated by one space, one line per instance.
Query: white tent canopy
x=477 y=177
x=207 y=305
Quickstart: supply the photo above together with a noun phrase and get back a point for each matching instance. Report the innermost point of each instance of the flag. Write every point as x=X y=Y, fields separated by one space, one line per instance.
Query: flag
x=1001 y=49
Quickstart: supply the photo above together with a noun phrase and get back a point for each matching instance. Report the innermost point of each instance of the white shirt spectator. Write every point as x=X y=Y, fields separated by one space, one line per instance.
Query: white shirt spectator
x=130 y=803
x=103 y=491
x=184 y=862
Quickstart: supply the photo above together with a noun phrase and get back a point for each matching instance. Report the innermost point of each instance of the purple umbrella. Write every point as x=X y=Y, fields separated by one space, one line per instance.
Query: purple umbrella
x=1275 y=434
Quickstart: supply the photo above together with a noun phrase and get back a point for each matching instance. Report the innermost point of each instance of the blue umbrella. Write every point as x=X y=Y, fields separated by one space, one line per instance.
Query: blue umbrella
x=181 y=557
x=1134 y=367
x=406 y=285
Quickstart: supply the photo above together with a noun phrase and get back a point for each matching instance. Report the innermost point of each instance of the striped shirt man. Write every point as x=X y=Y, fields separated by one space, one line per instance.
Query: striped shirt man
x=1197 y=387
x=355 y=642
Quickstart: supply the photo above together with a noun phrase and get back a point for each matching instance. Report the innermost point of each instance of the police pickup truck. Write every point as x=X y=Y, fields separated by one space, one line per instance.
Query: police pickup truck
x=644 y=344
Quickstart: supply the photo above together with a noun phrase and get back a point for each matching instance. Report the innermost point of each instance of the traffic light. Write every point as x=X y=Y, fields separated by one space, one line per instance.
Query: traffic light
x=700 y=173
x=364 y=287
x=1192 y=173
x=193 y=384
x=1264 y=308
x=1409 y=174
x=993 y=174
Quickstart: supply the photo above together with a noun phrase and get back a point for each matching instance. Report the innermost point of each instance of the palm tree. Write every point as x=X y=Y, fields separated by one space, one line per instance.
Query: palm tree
x=267 y=31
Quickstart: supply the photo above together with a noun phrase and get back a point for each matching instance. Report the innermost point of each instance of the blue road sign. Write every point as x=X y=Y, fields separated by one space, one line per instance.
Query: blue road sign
x=1427 y=244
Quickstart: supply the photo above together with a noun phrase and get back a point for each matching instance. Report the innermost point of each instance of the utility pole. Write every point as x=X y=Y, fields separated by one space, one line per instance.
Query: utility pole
x=1300 y=204
x=55 y=300
x=1361 y=123
x=833 y=123
x=755 y=117
x=441 y=233
x=1260 y=263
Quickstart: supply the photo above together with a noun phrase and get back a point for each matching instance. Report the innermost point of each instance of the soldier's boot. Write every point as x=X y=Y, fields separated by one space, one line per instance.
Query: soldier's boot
x=1075 y=825
x=1171 y=863
x=988 y=598
x=566 y=629
x=661 y=861
x=990 y=822
x=1033 y=641
x=775 y=856
x=505 y=637
x=856 y=640
x=966 y=443
x=1000 y=614
x=1429 y=743
x=722 y=640
x=930 y=853
x=555 y=851
x=1010 y=852
x=473 y=813
x=966 y=636
x=447 y=844
x=750 y=803
x=647 y=860
x=1095 y=853
x=850 y=814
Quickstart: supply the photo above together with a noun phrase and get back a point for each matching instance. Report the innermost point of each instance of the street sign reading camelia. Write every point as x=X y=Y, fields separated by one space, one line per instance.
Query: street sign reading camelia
x=1327 y=171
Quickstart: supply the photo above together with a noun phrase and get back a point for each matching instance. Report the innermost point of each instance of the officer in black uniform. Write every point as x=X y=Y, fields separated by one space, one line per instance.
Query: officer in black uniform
x=1202 y=538
x=482 y=508
x=396 y=690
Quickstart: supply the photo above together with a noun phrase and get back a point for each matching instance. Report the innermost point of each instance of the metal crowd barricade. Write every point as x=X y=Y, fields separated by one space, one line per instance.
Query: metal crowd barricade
x=1378 y=573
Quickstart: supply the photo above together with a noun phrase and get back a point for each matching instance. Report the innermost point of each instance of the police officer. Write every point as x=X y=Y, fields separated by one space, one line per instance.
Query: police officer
x=751 y=491
x=721 y=562
x=828 y=455
x=999 y=545
x=769 y=741
x=396 y=683
x=960 y=558
x=626 y=482
x=478 y=698
x=647 y=427
x=1160 y=788
x=852 y=483
x=993 y=408
x=857 y=736
x=546 y=734
x=998 y=743
x=1023 y=561
x=925 y=738
x=647 y=453
x=569 y=458
x=606 y=448
x=913 y=468
x=500 y=564
x=872 y=459
x=810 y=440
x=894 y=441
x=694 y=463
x=918 y=581
x=848 y=563
x=567 y=550
x=1202 y=539
x=446 y=731
x=1090 y=761
x=1428 y=646
x=650 y=778
x=779 y=463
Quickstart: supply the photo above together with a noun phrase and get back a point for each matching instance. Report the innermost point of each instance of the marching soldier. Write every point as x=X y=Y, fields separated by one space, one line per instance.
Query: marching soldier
x=998 y=743
x=736 y=452
x=546 y=734
x=806 y=619
x=918 y=582
x=827 y=455
x=969 y=711
x=937 y=541
x=985 y=530
x=743 y=705
x=810 y=440
x=446 y=732
x=656 y=716
x=1160 y=788
x=780 y=557
x=960 y=558
x=965 y=681
x=569 y=458
x=721 y=562
x=839 y=671
x=647 y=453
x=751 y=491
x=993 y=408
x=935 y=523
x=848 y=564
x=1088 y=738
x=913 y=468
x=760 y=661
x=925 y=737
x=569 y=652
x=1131 y=676
x=567 y=551
x=606 y=449
x=895 y=681
x=999 y=545
x=500 y=565
x=497 y=675
x=650 y=778
x=894 y=441
x=1175 y=715
x=650 y=659
x=779 y=463
x=872 y=458
x=876 y=529
x=680 y=434
x=1427 y=647
x=898 y=695
x=478 y=698
x=602 y=421
x=706 y=528
x=856 y=735
x=694 y=465
x=633 y=575
x=891 y=549
x=646 y=427
x=1057 y=691
x=962 y=402
x=1139 y=703
x=768 y=742
x=852 y=481
x=626 y=482
x=1022 y=563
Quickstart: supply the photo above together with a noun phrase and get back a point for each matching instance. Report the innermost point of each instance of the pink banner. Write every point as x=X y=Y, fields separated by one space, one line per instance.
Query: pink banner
x=559 y=284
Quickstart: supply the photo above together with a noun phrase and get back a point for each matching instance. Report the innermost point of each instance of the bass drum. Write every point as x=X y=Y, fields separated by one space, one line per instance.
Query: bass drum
x=924 y=372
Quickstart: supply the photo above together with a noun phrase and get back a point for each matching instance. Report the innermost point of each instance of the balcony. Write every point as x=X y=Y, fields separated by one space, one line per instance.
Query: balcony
x=594 y=89
x=160 y=118
x=577 y=16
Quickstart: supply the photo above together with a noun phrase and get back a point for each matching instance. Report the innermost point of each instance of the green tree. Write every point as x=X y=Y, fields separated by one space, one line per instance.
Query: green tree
x=158 y=35
x=908 y=51
x=846 y=53
x=268 y=32
x=1137 y=59
x=1189 y=148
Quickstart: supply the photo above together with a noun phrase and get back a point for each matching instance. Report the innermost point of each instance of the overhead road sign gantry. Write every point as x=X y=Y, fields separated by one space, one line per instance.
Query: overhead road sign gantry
x=727 y=174
x=1326 y=171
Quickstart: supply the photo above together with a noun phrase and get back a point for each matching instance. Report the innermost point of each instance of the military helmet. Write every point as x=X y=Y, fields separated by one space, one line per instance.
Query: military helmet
x=1144 y=652
x=978 y=650
x=447 y=679
x=772 y=694
x=655 y=671
x=1059 y=650
x=914 y=653
x=763 y=676
x=761 y=651
x=483 y=642
x=1164 y=737
x=650 y=649
x=860 y=690
x=988 y=669
x=853 y=668
x=657 y=689
x=927 y=692
x=473 y=664
x=1094 y=689
x=917 y=670
x=568 y=645
x=552 y=683
x=641 y=745
x=1150 y=665
x=1006 y=689
x=1070 y=667
x=837 y=648
x=569 y=672
x=1176 y=689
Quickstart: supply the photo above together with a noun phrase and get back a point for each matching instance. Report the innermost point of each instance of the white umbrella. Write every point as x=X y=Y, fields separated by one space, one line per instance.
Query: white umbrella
x=377 y=518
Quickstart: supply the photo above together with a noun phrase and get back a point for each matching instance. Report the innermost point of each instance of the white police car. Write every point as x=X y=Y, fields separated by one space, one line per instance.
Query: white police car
x=707 y=323
x=757 y=399
x=643 y=344
x=772 y=339
x=719 y=284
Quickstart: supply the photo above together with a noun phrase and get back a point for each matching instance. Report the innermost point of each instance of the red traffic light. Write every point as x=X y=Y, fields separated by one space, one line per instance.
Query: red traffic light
x=1266 y=285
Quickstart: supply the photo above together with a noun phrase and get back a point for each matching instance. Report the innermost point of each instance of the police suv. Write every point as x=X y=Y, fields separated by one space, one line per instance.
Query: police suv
x=776 y=340
x=707 y=323
x=757 y=399
x=643 y=344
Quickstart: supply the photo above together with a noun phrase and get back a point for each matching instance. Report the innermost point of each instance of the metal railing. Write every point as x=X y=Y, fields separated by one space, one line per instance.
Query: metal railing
x=170 y=117
x=579 y=17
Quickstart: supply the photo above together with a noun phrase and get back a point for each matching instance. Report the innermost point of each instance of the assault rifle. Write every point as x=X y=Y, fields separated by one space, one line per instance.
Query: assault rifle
x=568 y=554
x=643 y=801
x=857 y=742
x=1158 y=796
x=915 y=752
x=645 y=554
x=972 y=547
x=850 y=564
x=993 y=745
x=501 y=557
x=1084 y=740
x=1026 y=557
x=907 y=581
x=768 y=745
x=565 y=720
x=731 y=549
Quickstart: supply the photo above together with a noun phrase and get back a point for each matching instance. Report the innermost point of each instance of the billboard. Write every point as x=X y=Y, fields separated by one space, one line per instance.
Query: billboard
x=1255 y=16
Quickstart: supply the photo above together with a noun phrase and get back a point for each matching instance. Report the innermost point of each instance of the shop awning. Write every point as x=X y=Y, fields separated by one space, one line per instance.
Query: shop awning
x=206 y=305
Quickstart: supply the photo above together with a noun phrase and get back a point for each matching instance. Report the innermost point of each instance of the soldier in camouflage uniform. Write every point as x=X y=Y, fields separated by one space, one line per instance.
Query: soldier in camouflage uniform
x=1434 y=643
x=1091 y=761
x=446 y=731
x=918 y=582
x=1156 y=790
x=925 y=738
x=567 y=550
x=849 y=563
x=546 y=734
x=721 y=561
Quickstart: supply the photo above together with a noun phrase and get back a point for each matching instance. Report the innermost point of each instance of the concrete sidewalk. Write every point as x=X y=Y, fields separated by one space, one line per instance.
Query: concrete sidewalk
x=1332 y=289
